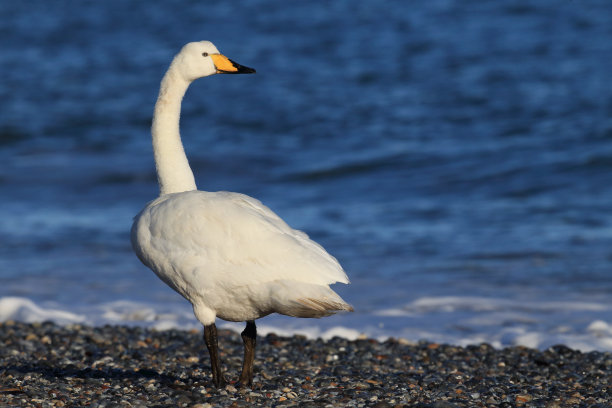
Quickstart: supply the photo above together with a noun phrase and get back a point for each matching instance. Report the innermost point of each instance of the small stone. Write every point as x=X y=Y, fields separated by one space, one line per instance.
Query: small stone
x=331 y=357
x=200 y=390
x=521 y=399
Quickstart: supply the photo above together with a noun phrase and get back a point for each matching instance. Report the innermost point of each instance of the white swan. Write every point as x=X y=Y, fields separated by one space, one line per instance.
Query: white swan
x=226 y=253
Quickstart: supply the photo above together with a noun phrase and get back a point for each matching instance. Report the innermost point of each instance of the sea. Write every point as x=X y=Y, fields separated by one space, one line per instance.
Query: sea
x=454 y=155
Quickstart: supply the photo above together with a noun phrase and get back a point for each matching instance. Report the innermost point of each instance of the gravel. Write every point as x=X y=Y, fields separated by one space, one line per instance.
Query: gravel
x=45 y=365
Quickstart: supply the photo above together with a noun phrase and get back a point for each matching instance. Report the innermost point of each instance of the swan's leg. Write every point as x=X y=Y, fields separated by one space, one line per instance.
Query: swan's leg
x=249 y=337
x=210 y=338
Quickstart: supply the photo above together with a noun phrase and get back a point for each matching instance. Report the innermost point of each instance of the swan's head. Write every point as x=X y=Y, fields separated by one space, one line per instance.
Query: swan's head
x=200 y=59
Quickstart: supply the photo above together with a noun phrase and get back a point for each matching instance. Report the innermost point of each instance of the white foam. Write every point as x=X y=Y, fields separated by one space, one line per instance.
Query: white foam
x=533 y=340
x=172 y=316
x=603 y=332
x=124 y=311
x=308 y=330
x=22 y=309
x=484 y=304
x=453 y=320
x=505 y=322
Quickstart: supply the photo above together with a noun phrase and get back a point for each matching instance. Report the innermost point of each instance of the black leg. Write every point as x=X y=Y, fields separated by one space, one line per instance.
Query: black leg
x=249 y=337
x=210 y=338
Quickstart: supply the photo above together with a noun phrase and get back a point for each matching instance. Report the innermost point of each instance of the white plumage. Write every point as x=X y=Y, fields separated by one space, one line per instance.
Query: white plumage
x=227 y=253
x=232 y=257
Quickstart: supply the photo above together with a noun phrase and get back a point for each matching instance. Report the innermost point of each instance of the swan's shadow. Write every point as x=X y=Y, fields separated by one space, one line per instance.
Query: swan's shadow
x=54 y=374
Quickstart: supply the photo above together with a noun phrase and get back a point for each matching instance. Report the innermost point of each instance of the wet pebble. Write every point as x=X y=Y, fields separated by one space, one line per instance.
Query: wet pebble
x=47 y=365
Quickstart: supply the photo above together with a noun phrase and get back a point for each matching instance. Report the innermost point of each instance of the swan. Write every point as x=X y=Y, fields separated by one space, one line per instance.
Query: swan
x=226 y=253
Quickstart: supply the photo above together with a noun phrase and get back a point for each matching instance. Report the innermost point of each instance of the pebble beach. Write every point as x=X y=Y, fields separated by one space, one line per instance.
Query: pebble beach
x=47 y=365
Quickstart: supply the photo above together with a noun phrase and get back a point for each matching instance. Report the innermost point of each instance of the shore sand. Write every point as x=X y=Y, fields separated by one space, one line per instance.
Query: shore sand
x=46 y=365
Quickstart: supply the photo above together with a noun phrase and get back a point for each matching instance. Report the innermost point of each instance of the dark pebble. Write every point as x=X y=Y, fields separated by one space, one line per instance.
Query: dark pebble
x=48 y=365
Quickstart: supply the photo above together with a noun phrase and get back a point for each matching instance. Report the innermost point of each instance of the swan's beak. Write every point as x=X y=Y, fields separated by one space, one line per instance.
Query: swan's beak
x=225 y=65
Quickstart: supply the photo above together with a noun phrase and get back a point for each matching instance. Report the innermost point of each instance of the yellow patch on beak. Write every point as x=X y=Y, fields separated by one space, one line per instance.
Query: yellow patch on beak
x=223 y=64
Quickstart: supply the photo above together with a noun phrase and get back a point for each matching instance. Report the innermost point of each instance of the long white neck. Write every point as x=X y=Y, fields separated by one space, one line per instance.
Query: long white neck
x=173 y=172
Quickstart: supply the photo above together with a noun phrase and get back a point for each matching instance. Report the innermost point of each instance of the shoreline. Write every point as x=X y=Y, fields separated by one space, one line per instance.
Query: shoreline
x=44 y=365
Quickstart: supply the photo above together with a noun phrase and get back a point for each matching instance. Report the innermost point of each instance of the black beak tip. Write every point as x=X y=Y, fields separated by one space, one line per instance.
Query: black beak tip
x=240 y=69
x=246 y=70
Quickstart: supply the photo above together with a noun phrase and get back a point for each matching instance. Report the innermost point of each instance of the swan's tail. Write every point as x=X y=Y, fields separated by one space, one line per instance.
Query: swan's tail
x=322 y=307
x=299 y=299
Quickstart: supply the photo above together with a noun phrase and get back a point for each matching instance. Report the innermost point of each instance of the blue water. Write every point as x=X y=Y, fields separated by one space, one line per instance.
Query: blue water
x=455 y=156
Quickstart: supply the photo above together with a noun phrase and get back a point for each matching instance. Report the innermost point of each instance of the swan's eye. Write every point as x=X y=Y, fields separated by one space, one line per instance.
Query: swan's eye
x=205 y=54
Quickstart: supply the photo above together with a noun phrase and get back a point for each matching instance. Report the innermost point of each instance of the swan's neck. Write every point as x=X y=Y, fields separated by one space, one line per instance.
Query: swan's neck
x=173 y=171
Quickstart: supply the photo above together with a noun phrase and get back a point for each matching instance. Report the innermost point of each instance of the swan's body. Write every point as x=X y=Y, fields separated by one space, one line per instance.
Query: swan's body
x=226 y=253
x=232 y=257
